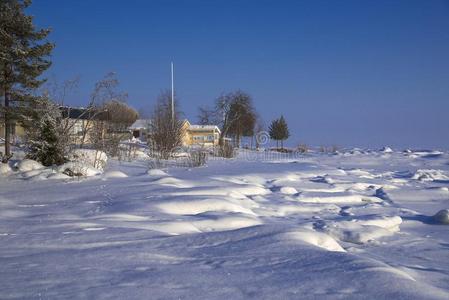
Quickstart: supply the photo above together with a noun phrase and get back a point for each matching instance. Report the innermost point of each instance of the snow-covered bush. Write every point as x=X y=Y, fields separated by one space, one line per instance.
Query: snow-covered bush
x=197 y=158
x=78 y=169
x=84 y=162
x=44 y=137
x=94 y=158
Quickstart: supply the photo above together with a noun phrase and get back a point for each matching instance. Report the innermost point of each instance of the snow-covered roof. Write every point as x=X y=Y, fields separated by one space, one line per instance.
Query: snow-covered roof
x=140 y=124
x=204 y=128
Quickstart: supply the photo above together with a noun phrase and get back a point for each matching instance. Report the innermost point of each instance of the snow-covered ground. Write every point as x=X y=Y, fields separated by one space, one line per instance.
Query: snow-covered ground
x=353 y=225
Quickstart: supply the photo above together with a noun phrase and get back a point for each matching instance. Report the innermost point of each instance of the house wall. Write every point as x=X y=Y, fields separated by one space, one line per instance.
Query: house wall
x=18 y=131
x=203 y=137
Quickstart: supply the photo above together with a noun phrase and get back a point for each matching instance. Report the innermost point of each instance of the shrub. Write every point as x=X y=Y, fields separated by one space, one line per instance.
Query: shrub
x=303 y=148
x=197 y=158
x=44 y=142
x=226 y=150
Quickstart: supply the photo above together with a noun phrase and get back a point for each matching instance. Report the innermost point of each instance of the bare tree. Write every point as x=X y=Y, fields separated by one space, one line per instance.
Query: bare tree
x=166 y=130
x=58 y=93
x=206 y=116
x=104 y=91
x=234 y=108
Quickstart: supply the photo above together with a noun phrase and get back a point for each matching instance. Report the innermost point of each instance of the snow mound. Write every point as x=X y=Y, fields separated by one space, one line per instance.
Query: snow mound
x=239 y=191
x=360 y=173
x=28 y=165
x=323 y=179
x=4 y=169
x=58 y=176
x=201 y=206
x=442 y=216
x=206 y=225
x=386 y=150
x=361 y=231
x=78 y=169
x=36 y=175
x=390 y=223
x=94 y=158
x=115 y=174
x=156 y=172
x=429 y=175
x=288 y=190
x=285 y=210
x=172 y=181
x=314 y=238
x=346 y=199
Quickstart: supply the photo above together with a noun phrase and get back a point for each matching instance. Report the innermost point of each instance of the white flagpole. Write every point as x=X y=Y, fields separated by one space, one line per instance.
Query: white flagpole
x=172 y=96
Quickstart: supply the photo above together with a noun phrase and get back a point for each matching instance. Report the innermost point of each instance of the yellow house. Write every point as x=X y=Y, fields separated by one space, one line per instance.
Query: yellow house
x=193 y=135
x=201 y=135
x=17 y=131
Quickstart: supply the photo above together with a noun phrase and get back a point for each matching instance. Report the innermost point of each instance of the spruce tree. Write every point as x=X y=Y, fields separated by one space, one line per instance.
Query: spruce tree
x=23 y=58
x=278 y=131
x=273 y=130
x=284 y=133
x=45 y=141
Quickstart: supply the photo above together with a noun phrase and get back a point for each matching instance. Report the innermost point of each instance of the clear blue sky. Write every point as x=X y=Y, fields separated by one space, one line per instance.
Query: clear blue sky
x=352 y=73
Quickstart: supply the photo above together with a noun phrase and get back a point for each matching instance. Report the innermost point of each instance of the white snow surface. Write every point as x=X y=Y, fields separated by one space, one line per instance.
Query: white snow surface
x=358 y=224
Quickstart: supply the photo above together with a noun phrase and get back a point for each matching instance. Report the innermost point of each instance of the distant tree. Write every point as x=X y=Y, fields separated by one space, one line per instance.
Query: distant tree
x=273 y=130
x=105 y=91
x=284 y=132
x=119 y=115
x=166 y=131
x=24 y=56
x=279 y=131
x=243 y=125
x=235 y=113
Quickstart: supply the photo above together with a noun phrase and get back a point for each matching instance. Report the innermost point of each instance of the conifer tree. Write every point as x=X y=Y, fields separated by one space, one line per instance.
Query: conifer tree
x=273 y=130
x=278 y=131
x=24 y=55
x=45 y=139
x=284 y=133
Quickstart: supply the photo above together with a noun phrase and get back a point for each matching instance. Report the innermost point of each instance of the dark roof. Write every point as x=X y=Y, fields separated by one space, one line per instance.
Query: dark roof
x=82 y=113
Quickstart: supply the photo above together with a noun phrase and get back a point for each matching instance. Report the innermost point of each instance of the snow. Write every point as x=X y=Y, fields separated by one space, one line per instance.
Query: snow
x=4 y=169
x=156 y=172
x=317 y=239
x=288 y=190
x=430 y=175
x=386 y=150
x=28 y=165
x=80 y=168
x=114 y=174
x=94 y=158
x=358 y=224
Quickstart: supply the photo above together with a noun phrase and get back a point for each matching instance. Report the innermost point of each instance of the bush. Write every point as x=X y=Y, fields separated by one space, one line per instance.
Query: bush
x=44 y=134
x=303 y=148
x=197 y=158
x=226 y=150
x=329 y=149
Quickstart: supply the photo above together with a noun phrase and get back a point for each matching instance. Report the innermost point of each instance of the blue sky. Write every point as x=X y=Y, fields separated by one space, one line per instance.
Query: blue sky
x=351 y=73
